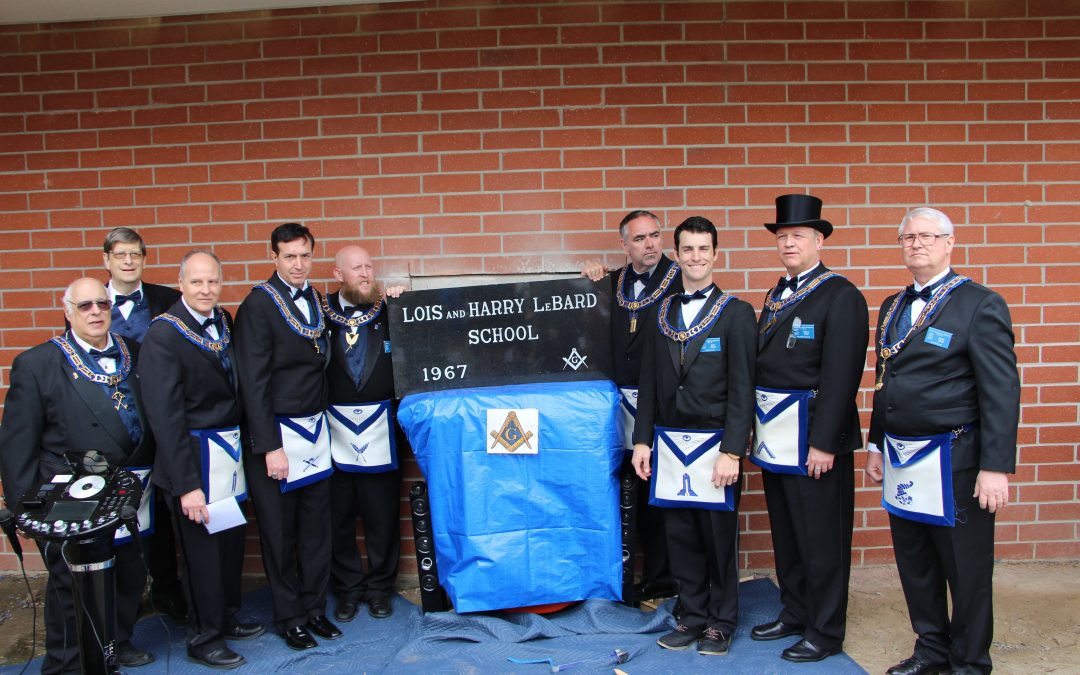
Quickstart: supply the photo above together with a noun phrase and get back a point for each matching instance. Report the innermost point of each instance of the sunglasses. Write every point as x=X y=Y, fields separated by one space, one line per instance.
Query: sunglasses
x=85 y=306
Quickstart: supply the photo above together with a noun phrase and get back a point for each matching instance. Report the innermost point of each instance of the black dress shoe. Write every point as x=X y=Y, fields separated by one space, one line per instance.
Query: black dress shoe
x=299 y=638
x=774 y=631
x=647 y=590
x=346 y=609
x=244 y=631
x=805 y=651
x=322 y=627
x=221 y=658
x=913 y=665
x=128 y=656
x=380 y=606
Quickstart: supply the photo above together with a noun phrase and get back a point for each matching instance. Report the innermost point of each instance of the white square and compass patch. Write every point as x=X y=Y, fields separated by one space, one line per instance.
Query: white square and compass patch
x=513 y=431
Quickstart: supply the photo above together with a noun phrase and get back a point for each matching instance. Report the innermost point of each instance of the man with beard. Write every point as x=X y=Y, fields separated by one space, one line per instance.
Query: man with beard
x=195 y=413
x=77 y=394
x=812 y=338
x=283 y=353
x=364 y=439
x=644 y=281
x=695 y=410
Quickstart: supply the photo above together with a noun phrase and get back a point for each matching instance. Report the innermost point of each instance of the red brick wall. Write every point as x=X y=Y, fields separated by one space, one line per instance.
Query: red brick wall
x=463 y=136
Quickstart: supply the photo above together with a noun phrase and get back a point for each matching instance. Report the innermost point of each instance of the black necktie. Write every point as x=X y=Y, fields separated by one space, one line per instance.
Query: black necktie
x=792 y=283
x=111 y=353
x=135 y=298
x=685 y=298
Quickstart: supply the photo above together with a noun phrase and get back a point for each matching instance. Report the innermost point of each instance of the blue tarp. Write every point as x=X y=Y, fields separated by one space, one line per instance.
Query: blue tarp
x=515 y=530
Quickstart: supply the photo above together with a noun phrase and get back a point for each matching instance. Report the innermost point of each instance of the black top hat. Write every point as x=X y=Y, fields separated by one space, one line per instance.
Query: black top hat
x=799 y=211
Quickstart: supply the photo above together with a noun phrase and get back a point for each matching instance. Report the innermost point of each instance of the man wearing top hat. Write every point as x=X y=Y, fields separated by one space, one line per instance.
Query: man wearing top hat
x=643 y=282
x=195 y=412
x=283 y=353
x=695 y=412
x=942 y=442
x=365 y=439
x=134 y=304
x=77 y=397
x=812 y=337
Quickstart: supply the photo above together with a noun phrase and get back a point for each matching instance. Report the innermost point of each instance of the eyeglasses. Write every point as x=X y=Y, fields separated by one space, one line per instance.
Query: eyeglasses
x=85 y=306
x=925 y=238
x=120 y=255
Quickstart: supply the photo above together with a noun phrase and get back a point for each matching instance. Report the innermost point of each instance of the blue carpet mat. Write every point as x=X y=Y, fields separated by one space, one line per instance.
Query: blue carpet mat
x=585 y=635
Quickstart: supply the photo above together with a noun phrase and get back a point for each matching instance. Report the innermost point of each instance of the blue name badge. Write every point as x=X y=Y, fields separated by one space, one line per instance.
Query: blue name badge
x=804 y=332
x=711 y=345
x=938 y=338
x=386 y=346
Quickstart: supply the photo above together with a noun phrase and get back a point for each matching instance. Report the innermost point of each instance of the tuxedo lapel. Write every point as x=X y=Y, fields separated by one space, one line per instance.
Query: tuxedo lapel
x=374 y=344
x=674 y=348
x=100 y=405
x=693 y=347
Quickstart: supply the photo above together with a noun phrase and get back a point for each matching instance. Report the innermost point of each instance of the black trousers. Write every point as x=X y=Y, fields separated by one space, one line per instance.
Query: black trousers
x=212 y=566
x=294 y=533
x=164 y=578
x=811 y=533
x=651 y=536
x=374 y=498
x=703 y=547
x=961 y=558
x=61 y=638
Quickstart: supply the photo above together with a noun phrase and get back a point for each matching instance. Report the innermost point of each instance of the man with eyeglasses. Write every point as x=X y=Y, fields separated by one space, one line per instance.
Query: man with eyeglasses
x=942 y=441
x=77 y=394
x=135 y=304
x=812 y=337
x=283 y=350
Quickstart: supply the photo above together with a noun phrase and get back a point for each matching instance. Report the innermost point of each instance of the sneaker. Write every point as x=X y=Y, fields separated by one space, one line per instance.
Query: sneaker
x=680 y=638
x=713 y=643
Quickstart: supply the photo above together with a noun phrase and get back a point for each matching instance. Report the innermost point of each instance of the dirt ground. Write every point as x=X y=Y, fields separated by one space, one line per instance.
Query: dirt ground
x=1035 y=606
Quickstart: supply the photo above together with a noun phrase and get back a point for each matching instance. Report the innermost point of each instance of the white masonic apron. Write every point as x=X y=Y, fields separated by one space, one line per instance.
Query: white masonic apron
x=780 y=429
x=918 y=477
x=362 y=437
x=146 y=507
x=222 y=464
x=306 y=442
x=682 y=468
x=628 y=404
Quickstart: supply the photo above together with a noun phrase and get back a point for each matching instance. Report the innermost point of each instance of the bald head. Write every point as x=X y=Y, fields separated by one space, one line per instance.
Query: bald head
x=87 y=307
x=356 y=272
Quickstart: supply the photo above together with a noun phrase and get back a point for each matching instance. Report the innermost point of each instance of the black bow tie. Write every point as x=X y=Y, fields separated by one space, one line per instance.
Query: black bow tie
x=911 y=294
x=135 y=298
x=213 y=321
x=684 y=298
x=792 y=283
x=348 y=310
x=110 y=353
x=307 y=292
x=632 y=277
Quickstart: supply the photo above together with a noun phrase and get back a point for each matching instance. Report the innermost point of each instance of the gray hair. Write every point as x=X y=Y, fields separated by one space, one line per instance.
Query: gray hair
x=634 y=215
x=944 y=224
x=196 y=251
x=123 y=235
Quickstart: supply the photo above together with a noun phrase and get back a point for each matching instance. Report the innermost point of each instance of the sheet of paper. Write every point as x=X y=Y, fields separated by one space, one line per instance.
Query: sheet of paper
x=224 y=515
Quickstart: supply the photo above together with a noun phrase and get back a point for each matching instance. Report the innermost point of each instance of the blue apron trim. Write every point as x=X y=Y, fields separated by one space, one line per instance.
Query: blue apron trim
x=687 y=459
x=312 y=438
x=937 y=442
x=357 y=429
x=760 y=452
x=206 y=436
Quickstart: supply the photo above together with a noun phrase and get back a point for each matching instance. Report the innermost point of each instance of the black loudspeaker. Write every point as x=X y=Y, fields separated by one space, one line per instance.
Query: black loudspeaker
x=432 y=596
x=628 y=522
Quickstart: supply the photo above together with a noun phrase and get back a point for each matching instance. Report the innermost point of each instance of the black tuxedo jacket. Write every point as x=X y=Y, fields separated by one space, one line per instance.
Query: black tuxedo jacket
x=160 y=298
x=930 y=390
x=280 y=372
x=49 y=411
x=377 y=383
x=710 y=390
x=191 y=390
x=626 y=347
x=832 y=362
